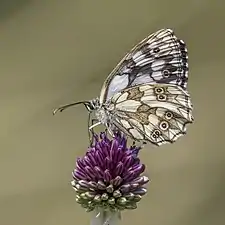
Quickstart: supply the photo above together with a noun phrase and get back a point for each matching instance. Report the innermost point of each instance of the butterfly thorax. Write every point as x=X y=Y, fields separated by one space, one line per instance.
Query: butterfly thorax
x=102 y=116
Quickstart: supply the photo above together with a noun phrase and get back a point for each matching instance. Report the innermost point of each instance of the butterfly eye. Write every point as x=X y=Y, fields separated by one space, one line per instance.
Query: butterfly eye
x=89 y=106
x=166 y=73
x=161 y=97
x=164 y=125
x=168 y=115
x=159 y=90
x=156 y=50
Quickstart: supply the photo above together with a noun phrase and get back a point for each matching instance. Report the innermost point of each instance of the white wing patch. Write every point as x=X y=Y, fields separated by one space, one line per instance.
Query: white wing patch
x=157 y=113
x=118 y=83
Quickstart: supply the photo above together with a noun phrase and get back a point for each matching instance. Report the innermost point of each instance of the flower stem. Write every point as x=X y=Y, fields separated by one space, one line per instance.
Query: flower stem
x=102 y=217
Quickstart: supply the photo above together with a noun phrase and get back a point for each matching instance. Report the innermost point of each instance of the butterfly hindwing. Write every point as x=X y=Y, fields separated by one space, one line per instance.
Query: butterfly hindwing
x=159 y=58
x=157 y=113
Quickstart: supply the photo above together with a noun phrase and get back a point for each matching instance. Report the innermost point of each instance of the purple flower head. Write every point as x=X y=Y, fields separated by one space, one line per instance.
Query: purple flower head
x=109 y=175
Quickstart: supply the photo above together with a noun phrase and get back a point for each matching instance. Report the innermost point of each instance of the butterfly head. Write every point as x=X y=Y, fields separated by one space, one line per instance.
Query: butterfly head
x=92 y=105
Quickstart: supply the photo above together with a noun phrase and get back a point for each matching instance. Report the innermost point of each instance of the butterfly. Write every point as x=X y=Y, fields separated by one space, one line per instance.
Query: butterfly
x=145 y=97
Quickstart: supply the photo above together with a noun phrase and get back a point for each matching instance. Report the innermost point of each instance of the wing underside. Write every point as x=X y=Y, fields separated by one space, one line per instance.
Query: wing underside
x=157 y=113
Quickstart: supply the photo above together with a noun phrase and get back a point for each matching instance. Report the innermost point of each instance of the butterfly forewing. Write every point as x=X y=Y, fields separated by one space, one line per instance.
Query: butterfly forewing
x=159 y=58
x=157 y=113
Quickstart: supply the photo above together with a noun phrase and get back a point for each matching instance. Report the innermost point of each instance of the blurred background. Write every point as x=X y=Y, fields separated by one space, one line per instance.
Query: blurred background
x=55 y=52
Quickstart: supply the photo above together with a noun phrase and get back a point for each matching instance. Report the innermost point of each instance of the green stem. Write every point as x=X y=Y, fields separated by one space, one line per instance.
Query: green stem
x=102 y=217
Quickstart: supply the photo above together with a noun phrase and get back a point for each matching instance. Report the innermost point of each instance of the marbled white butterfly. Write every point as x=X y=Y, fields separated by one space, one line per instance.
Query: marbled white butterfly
x=145 y=96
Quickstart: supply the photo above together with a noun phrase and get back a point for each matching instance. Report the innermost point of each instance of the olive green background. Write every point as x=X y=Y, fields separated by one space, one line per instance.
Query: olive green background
x=55 y=52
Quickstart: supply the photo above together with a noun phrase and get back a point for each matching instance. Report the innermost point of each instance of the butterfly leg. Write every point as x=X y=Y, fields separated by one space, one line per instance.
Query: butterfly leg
x=90 y=128
x=143 y=143
x=94 y=125
x=110 y=130
x=139 y=143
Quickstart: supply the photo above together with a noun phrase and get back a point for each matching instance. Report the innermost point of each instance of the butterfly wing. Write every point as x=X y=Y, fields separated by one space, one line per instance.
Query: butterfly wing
x=159 y=58
x=157 y=113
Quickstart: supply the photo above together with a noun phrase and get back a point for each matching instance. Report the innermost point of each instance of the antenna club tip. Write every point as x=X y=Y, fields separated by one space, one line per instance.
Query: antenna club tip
x=54 y=111
x=62 y=108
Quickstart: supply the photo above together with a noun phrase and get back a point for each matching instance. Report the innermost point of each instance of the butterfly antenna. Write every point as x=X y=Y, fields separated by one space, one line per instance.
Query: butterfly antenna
x=62 y=108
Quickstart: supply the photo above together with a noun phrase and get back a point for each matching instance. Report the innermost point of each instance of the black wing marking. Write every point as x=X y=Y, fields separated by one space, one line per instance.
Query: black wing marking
x=159 y=58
